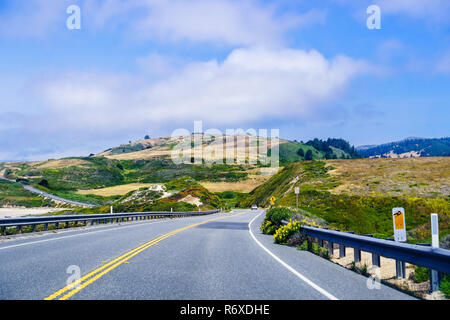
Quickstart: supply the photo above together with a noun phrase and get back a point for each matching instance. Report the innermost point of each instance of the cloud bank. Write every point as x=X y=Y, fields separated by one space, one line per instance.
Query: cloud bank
x=250 y=85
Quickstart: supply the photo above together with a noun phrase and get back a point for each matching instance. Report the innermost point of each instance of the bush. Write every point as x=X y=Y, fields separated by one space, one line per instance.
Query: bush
x=275 y=216
x=445 y=286
x=304 y=246
x=283 y=233
x=267 y=227
x=421 y=274
x=318 y=250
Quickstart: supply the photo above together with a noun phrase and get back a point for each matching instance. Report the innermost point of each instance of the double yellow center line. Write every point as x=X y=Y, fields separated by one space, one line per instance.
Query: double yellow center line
x=86 y=280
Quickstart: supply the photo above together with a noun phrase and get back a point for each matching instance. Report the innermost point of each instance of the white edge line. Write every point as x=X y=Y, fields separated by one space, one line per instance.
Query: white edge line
x=284 y=264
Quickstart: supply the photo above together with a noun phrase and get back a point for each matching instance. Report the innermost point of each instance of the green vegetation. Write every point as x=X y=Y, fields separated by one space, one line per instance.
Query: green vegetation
x=315 y=150
x=99 y=172
x=314 y=248
x=13 y=194
x=273 y=219
x=132 y=147
x=445 y=286
x=283 y=233
x=425 y=147
x=230 y=199
x=421 y=274
x=352 y=212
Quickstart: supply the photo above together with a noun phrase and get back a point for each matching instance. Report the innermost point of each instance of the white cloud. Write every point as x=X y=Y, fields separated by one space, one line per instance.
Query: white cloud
x=224 y=22
x=249 y=85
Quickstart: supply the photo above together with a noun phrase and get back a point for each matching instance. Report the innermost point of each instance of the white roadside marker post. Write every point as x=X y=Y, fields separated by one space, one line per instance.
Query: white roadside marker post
x=111 y=210
x=434 y=281
x=398 y=217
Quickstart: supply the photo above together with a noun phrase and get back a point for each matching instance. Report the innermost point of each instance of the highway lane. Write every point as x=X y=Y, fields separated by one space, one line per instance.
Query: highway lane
x=205 y=259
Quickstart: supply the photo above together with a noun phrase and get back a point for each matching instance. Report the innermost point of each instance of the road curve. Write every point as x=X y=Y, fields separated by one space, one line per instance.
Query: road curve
x=208 y=257
x=49 y=195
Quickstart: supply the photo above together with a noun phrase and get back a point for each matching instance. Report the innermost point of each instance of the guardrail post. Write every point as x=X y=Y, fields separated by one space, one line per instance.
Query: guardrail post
x=434 y=281
x=376 y=261
x=33 y=227
x=330 y=248
x=341 y=251
x=4 y=231
x=356 y=255
x=19 y=229
x=320 y=241
x=400 y=269
x=45 y=226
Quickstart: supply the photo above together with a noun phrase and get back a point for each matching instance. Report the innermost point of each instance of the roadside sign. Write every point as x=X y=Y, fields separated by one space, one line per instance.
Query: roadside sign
x=398 y=217
x=297 y=190
x=272 y=200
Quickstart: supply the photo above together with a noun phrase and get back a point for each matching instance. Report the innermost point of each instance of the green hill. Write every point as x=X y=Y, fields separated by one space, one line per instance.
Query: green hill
x=415 y=146
x=365 y=209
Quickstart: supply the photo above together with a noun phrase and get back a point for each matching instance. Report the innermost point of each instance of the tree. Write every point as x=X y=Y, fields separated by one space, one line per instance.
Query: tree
x=309 y=155
x=300 y=152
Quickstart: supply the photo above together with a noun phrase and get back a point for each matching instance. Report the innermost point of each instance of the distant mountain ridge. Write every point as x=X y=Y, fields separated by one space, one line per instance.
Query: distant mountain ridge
x=407 y=148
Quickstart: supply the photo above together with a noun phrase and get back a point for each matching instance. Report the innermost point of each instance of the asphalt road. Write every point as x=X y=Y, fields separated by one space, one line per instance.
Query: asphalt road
x=56 y=198
x=210 y=257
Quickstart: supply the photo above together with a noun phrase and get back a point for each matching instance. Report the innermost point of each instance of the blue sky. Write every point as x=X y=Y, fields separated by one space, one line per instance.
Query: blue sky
x=136 y=67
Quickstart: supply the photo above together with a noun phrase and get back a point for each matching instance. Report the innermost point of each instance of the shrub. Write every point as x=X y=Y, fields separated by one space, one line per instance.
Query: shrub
x=304 y=246
x=421 y=274
x=283 y=233
x=445 y=286
x=267 y=227
x=275 y=216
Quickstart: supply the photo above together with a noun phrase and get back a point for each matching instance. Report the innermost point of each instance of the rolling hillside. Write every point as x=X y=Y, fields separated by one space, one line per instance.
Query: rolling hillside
x=410 y=147
x=149 y=161
x=359 y=194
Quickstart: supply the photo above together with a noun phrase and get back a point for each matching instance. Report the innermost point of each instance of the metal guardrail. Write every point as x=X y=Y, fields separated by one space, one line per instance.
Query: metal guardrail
x=420 y=255
x=92 y=218
x=433 y=258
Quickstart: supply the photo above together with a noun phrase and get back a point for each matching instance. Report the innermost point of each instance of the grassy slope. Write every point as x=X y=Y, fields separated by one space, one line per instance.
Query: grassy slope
x=357 y=209
x=13 y=194
x=288 y=152
x=149 y=200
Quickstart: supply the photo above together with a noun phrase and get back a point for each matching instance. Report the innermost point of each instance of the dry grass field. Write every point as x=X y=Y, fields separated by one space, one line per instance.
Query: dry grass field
x=411 y=176
x=116 y=190
x=162 y=148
